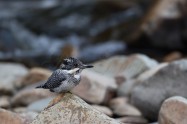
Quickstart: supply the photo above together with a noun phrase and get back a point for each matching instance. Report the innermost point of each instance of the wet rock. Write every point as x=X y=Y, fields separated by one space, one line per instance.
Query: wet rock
x=29 y=95
x=169 y=80
x=35 y=75
x=125 y=67
x=9 y=74
x=4 y=102
x=8 y=117
x=92 y=82
x=103 y=109
x=132 y=120
x=39 y=105
x=69 y=108
x=120 y=107
x=173 y=110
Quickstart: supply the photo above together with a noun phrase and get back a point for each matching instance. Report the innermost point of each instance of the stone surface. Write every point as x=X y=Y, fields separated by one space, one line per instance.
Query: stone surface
x=173 y=56
x=28 y=117
x=126 y=88
x=30 y=94
x=71 y=109
x=121 y=107
x=39 y=105
x=173 y=111
x=133 y=120
x=4 y=102
x=35 y=75
x=103 y=109
x=8 y=117
x=124 y=67
x=170 y=80
x=9 y=74
x=95 y=88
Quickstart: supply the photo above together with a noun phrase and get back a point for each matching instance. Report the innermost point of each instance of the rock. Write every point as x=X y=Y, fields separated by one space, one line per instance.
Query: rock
x=132 y=120
x=162 y=23
x=28 y=117
x=103 y=109
x=8 y=117
x=126 y=88
x=172 y=56
x=39 y=105
x=19 y=109
x=69 y=109
x=120 y=107
x=168 y=81
x=9 y=74
x=95 y=88
x=173 y=111
x=29 y=95
x=35 y=75
x=125 y=67
x=4 y=102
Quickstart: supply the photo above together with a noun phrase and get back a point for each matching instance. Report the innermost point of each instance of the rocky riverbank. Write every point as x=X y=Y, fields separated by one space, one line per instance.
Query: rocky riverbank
x=131 y=89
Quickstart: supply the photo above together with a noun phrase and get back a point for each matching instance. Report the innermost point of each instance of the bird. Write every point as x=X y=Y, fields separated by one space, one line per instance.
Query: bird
x=66 y=77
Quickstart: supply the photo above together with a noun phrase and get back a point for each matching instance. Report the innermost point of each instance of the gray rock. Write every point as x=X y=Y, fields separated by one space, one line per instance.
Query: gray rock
x=132 y=120
x=30 y=94
x=125 y=67
x=120 y=107
x=9 y=74
x=170 y=80
x=126 y=88
x=4 y=102
x=173 y=111
x=68 y=108
x=39 y=105
x=35 y=75
x=103 y=109
x=95 y=88
x=28 y=117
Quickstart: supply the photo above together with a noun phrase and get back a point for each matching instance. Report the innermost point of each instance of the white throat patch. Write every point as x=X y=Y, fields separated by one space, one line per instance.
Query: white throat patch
x=72 y=71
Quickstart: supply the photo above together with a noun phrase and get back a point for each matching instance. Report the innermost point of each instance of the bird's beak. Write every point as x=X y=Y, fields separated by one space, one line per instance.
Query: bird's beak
x=87 y=66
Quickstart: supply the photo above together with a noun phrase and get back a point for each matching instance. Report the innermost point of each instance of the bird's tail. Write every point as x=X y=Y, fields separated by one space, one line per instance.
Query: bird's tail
x=40 y=86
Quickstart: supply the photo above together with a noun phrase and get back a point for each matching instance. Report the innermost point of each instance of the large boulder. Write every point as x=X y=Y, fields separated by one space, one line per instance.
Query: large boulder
x=173 y=111
x=35 y=75
x=9 y=74
x=123 y=67
x=8 y=117
x=95 y=88
x=30 y=94
x=167 y=81
x=68 y=108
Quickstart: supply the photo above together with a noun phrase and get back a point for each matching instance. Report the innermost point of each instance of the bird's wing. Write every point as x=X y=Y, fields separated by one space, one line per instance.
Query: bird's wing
x=55 y=80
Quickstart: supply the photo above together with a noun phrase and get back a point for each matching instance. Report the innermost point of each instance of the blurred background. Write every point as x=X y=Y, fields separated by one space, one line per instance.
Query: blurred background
x=36 y=35
x=43 y=32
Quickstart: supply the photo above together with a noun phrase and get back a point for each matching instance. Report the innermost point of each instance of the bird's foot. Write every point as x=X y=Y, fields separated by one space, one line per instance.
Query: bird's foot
x=55 y=100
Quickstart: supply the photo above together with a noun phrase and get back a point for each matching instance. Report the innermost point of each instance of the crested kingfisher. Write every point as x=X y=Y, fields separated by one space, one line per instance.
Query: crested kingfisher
x=66 y=77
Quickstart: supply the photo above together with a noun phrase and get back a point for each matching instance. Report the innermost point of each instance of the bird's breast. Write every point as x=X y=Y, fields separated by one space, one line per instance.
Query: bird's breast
x=77 y=76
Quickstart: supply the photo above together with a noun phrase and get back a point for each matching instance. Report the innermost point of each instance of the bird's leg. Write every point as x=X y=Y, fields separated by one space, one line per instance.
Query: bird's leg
x=55 y=100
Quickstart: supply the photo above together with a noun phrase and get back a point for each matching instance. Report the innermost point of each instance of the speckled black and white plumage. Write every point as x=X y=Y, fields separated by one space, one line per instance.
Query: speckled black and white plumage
x=66 y=77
